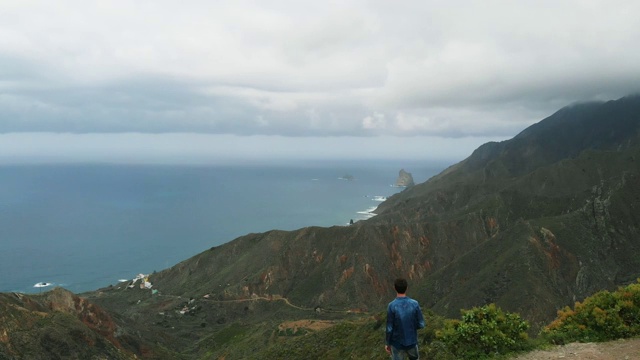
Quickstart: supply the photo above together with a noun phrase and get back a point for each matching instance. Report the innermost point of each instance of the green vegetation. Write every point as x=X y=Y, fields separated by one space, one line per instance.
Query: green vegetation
x=481 y=333
x=601 y=317
x=360 y=339
x=484 y=331
x=230 y=334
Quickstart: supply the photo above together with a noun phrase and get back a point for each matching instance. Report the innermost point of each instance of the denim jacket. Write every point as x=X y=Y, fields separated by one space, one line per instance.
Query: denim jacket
x=404 y=318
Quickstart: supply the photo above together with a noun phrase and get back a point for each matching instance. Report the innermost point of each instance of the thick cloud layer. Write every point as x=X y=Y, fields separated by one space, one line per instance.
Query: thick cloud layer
x=297 y=68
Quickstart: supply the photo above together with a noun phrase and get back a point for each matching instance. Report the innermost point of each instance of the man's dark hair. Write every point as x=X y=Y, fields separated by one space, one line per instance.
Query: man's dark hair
x=400 y=285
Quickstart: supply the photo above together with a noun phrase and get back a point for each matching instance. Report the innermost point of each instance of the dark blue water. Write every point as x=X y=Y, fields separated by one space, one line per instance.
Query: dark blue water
x=86 y=226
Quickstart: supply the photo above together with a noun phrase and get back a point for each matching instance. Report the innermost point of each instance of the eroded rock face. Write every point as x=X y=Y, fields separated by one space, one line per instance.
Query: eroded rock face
x=57 y=324
x=404 y=179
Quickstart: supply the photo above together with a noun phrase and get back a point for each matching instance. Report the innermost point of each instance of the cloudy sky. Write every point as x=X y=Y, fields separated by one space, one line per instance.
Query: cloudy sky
x=191 y=81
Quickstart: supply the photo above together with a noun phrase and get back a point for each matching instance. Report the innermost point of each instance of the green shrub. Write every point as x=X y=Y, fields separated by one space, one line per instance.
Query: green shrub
x=601 y=317
x=433 y=324
x=483 y=332
x=437 y=350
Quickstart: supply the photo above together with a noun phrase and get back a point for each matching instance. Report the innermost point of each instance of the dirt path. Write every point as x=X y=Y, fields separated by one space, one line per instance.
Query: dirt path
x=286 y=301
x=261 y=298
x=628 y=349
x=313 y=325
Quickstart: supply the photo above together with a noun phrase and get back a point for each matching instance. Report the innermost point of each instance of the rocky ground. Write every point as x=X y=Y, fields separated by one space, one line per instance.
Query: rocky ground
x=628 y=349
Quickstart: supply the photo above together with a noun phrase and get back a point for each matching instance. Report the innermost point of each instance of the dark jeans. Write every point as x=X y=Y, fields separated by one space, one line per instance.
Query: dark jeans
x=411 y=354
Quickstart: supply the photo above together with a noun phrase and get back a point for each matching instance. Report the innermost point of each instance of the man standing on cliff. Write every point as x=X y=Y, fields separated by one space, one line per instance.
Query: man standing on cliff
x=404 y=318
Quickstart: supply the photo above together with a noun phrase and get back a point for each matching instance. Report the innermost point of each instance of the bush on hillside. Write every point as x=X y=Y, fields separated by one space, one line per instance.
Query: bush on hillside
x=483 y=332
x=601 y=317
x=433 y=324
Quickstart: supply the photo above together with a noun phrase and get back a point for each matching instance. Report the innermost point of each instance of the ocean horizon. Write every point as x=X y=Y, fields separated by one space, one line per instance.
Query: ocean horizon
x=86 y=226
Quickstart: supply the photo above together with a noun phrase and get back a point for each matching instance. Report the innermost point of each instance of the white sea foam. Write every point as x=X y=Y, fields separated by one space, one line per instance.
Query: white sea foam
x=368 y=213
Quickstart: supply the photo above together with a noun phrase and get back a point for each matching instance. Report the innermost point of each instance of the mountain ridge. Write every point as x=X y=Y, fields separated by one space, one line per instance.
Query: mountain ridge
x=429 y=233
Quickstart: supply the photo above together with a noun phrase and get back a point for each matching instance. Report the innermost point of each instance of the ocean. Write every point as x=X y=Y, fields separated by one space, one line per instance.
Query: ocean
x=83 y=227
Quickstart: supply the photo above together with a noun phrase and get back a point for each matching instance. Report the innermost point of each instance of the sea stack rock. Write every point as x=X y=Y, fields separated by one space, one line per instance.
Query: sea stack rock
x=404 y=179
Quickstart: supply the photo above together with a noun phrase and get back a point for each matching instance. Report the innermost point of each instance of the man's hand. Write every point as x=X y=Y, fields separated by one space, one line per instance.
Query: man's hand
x=387 y=348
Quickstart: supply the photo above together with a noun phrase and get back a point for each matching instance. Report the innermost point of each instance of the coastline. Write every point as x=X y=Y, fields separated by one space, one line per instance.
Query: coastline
x=119 y=221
